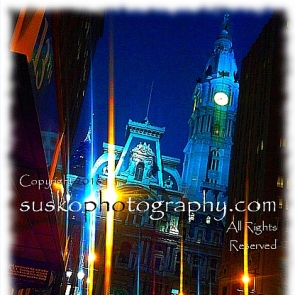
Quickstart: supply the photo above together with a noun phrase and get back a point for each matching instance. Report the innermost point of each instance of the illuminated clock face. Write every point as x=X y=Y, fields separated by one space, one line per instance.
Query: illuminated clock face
x=221 y=98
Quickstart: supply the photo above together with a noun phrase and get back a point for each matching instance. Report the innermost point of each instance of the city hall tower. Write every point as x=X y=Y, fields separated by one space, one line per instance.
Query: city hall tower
x=211 y=125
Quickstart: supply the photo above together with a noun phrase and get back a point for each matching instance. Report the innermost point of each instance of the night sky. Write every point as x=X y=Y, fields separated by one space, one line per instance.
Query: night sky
x=169 y=50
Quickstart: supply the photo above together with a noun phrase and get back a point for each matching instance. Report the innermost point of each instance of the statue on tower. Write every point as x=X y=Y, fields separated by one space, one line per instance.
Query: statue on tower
x=225 y=24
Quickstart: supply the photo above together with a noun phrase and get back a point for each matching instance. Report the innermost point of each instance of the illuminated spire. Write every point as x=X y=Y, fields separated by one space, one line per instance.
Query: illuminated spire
x=88 y=135
x=222 y=62
x=78 y=158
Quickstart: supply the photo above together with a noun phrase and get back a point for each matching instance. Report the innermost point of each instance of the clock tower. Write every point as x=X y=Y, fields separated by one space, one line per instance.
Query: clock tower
x=211 y=125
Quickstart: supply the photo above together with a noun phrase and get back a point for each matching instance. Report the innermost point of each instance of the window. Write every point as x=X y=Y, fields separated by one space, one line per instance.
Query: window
x=203 y=127
x=124 y=253
x=213 y=263
x=208 y=219
x=216 y=129
x=280 y=181
x=195 y=259
x=282 y=142
x=199 y=236
x=286 y=204
x=280 y=203
x=130 y=218
x=138 y=219
x=213 y=181
x=212 y=276
x=157 y=263
x=177 y=269
x=191 y=217
x=215 y=239
x=139 y=171
x=194 y=272
x=214 y=165
x=209 y=123
x=173 y=225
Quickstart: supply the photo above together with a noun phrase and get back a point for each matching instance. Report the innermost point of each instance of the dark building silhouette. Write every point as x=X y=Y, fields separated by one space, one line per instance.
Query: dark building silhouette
x=51 y=55
x=258 y=179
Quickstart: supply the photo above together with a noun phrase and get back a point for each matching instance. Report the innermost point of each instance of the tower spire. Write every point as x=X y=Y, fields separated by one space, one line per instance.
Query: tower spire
x=88 y=135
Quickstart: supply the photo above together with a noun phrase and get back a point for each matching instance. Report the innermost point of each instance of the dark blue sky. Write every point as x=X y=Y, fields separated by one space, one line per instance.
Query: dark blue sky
x=170 y=49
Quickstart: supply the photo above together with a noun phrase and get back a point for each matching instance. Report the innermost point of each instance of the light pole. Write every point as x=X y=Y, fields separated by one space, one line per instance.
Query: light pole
x=246 y=279
x=74 y=285
x=80 y=277
x=198 y=271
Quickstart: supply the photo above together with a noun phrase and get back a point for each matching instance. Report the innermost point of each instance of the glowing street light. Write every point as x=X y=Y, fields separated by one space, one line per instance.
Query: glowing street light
x=80 y=275
x=69 y=273
x=245 y=279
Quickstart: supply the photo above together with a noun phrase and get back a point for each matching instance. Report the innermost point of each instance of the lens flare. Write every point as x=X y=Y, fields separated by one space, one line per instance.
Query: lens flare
x=245 y=279
x=246 y=267
x=181 y=260
x=110 y=192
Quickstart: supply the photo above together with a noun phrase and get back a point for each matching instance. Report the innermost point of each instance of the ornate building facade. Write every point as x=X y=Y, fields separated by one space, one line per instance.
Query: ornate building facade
x=159 y=248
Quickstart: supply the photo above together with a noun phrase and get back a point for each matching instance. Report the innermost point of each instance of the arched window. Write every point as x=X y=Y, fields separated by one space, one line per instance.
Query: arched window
x=214 y=160
x=125 y=253
x=139 y=171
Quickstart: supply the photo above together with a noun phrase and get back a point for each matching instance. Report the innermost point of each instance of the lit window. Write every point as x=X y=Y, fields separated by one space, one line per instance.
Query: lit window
x=208 y=219
x=173 y=225
x=216 y=129
x=280 y=181
x=286 y=204
x=199 y=236
x=282 y=142
x=280 y=203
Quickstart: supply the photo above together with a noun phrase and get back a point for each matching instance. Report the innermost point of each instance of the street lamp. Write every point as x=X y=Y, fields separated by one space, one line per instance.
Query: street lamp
x=246 y=280
x=69 y=273
x=81 y=275
x=72 y=284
